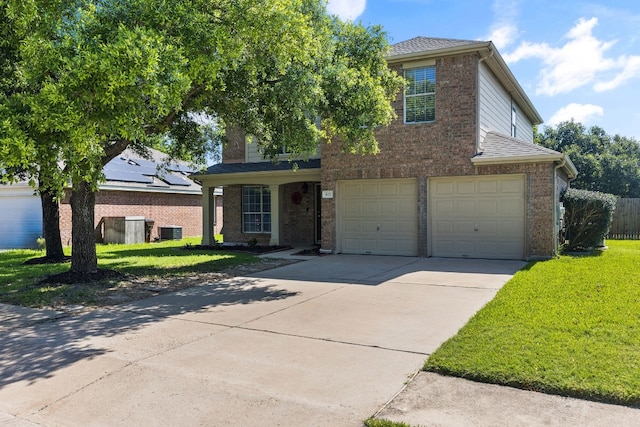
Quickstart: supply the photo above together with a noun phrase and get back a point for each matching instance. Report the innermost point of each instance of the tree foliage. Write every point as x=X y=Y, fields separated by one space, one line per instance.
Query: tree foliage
x=86 y=79
x=605 y=163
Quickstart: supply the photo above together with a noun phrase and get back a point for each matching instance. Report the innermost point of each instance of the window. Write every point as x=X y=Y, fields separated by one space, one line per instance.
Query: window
x=420 y=95
x=256 y=209
x=514 y=118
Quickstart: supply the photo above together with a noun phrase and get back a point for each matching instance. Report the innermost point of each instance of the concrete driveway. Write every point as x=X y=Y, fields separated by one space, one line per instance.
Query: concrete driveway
x=327 y=341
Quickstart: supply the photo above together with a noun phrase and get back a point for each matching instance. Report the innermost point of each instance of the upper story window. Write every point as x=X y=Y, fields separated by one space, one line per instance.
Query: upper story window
x=514 y=119
x=420 y=95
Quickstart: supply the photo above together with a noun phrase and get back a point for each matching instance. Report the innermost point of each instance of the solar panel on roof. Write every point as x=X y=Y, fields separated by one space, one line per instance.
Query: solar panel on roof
x=174 y=179
x=127 y=176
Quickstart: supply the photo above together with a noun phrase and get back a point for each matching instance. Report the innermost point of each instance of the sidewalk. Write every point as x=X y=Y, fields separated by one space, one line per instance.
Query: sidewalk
x=436 y=400
x=13 y=317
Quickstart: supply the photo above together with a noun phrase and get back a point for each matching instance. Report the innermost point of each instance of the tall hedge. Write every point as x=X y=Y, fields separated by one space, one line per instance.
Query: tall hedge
x=587 y=217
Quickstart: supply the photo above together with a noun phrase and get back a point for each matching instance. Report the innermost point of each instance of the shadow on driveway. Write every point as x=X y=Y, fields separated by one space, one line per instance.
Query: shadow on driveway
x=32 y=351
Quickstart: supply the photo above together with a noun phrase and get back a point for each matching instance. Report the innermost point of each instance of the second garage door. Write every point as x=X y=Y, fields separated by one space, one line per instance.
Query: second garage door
x=378 y=216
x=477 y=217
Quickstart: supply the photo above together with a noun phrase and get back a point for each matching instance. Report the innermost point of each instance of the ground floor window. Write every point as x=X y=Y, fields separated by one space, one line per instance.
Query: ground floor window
x=256 y=209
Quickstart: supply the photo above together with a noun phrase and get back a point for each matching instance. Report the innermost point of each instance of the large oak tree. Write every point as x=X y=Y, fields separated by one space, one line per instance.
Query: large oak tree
x=99 y=76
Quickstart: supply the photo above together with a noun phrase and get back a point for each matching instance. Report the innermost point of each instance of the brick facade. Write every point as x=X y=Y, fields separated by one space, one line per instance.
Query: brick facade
x=184 y=210
x=297 y=216
x=441 y=148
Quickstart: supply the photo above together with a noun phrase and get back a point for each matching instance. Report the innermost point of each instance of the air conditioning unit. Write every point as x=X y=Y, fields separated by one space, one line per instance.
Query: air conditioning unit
x=170 y=232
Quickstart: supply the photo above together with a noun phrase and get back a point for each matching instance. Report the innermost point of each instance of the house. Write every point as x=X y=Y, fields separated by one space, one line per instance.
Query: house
x=457 y=174
x=133 y=187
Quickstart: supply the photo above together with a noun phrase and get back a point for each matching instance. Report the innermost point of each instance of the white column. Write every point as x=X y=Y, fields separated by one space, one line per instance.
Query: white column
x=275 y=215
x=207 y=215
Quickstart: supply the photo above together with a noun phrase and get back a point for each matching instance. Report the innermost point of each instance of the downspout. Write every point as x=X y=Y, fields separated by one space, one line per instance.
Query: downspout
x=479 y=148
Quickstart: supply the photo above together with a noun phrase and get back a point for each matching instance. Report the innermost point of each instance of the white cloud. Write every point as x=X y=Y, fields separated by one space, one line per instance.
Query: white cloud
x=503 y=31
x=503 y=36
x=347 y=10
x=581 y=113
x=580 y=61
x=630 y=68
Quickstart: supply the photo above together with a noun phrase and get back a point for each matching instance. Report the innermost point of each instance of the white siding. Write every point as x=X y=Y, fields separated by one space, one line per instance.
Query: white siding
x=253 y=154
x=495 y=109
x=525 y=127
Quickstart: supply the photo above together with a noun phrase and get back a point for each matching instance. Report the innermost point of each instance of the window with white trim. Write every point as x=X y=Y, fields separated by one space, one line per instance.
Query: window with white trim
x=256 y=209
x=514 y=119
x=420 y=95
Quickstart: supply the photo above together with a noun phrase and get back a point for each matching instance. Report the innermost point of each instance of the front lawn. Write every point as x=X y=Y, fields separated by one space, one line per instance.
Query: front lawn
x=568 y=326
x=20 y=283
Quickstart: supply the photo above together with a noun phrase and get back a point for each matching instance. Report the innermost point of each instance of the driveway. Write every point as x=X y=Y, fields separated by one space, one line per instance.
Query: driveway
x=327 y=341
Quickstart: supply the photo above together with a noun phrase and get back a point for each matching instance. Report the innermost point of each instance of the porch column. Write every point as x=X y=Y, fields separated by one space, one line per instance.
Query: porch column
x=207 y=215
x=275 y=214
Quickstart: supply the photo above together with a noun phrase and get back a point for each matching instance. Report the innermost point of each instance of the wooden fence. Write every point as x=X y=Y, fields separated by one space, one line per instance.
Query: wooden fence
x=626 y=220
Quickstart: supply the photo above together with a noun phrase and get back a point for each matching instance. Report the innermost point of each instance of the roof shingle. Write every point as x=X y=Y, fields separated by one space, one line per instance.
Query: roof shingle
x=426 y=44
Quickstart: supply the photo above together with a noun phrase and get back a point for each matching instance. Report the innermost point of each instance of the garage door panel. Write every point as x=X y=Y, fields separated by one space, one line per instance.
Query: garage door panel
x=387 y=215
x=514 y=207
x=463 y=207
x=369 y=208
x=443 y=208
x=465 y=187
x=388 y=208
x=515 y=186
x=511 y=228
x=482 y=217
x=488 y=207
x=443 y=226
x=488 y=187
x=490 y=227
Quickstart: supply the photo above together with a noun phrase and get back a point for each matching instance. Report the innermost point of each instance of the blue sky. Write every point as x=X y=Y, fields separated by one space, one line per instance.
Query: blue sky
x=575 y=59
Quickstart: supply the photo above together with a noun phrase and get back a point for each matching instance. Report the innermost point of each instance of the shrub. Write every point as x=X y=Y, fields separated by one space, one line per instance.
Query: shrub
x=587 y=216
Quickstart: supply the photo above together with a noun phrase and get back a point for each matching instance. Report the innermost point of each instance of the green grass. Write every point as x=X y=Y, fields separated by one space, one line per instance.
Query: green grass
x=568 y=326
x=19 y=282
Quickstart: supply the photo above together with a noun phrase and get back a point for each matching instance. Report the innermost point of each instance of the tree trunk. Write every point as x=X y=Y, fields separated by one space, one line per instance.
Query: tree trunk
x=83 y=245
x=51 y=225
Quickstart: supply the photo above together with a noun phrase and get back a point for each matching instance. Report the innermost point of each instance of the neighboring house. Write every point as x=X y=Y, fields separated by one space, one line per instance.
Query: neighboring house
x=457 y=174
x=20 y=216
x=134 y=187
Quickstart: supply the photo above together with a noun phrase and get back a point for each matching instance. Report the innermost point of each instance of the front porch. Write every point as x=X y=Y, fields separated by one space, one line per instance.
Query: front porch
x=264 y=203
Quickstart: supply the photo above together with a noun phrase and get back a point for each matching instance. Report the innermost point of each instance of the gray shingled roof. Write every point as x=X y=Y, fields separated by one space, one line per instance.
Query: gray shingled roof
x=498 y=146
x=426 y=44
x=225 y=168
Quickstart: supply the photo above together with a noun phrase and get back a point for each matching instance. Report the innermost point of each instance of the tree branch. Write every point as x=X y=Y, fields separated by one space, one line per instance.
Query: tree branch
x=111 y=151
x=169 y=119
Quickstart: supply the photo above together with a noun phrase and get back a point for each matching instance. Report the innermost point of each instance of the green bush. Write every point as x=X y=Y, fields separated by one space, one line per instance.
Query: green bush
x=587 y=217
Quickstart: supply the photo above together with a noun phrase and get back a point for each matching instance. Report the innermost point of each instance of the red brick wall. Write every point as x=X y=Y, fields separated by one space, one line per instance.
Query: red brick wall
x=440 y=148
x=165 y=209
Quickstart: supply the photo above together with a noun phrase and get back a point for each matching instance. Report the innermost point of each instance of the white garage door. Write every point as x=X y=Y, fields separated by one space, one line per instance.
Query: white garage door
x=478 y=217
x=20 y=221
x=378 y=216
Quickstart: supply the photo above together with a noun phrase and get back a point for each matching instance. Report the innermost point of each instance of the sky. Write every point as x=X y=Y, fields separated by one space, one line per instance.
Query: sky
x=575 y=59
